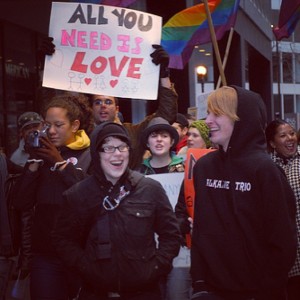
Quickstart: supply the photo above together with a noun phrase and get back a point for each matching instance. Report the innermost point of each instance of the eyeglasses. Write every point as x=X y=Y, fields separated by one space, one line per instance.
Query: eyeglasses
x=104 y=101
x=112 y=149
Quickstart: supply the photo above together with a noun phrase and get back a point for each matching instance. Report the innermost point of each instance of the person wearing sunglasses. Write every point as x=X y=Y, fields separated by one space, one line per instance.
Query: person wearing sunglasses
x=107 y=227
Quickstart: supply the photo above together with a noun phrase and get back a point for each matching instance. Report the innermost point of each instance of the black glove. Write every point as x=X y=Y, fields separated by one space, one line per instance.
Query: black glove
x=31 y=151
x=161 y=57
x=46 y=48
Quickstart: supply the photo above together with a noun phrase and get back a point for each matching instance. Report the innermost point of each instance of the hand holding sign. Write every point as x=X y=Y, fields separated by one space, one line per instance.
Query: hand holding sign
x=108 y=52
x=161 y=57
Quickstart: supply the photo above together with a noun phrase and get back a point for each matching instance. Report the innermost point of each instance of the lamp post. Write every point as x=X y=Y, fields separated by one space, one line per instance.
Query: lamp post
x=201 y=73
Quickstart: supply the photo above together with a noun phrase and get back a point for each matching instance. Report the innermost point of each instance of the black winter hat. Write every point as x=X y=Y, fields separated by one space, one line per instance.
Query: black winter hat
x=158 y=124
x=107 y=129
x=182 y=120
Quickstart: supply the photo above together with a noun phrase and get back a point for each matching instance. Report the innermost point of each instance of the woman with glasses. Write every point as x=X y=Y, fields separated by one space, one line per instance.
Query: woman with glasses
x=106 y=228
x=57 y=161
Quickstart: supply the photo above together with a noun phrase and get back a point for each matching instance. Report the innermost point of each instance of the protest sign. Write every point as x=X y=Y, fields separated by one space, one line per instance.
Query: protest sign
x=171 y=182
x=193 y=154
x=103 y=50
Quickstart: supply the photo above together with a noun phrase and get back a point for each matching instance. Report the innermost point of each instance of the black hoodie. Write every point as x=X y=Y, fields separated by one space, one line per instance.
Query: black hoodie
x=244 y=238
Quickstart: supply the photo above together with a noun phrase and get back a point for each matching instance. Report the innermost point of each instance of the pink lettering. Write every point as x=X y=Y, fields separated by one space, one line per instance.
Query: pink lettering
x=77 y=63
x=81 y=39
x=124 y=39
x=67 y=39
x=105 y=43
x=133 y=67
x=93 y=40
x=101 y=61
x=137 y=49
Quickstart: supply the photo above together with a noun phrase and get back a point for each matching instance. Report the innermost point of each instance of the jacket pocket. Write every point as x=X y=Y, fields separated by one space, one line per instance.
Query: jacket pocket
x=138 y=220
x=143 y=269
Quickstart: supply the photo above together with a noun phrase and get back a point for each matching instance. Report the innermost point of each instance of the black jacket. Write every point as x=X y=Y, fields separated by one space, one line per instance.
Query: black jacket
x=43 y=190
x=244 y=223
x=116 y=250
x=15 y=226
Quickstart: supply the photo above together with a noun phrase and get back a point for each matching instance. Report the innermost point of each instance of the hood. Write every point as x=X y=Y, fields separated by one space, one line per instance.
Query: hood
x=100 y=132
x=82 y=141
x=249 y=132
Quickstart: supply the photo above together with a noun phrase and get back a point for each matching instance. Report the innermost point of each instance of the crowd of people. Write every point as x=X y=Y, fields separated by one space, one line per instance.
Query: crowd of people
x=94 y=226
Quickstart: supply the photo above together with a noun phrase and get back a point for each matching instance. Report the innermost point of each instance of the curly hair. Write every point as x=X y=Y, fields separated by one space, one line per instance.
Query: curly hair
x=77 y=107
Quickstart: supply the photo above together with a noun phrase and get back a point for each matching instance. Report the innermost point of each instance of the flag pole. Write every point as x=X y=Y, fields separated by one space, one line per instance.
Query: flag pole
x=214 y=41
x=226 y=54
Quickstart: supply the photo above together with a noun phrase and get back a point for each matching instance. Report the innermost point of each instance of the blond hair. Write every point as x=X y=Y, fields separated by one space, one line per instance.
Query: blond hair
x=223 y=101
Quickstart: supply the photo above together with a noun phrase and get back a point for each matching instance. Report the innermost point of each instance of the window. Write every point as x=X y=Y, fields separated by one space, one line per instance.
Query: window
x=288 y=104
x=287 y=67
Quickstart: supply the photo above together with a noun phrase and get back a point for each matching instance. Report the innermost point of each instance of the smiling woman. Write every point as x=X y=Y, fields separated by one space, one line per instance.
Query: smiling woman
x=284 y=150
x=113 y=146
x=116 y=212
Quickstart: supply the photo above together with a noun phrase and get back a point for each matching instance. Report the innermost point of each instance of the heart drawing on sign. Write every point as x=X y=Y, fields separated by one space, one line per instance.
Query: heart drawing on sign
x=87 y=81
x=113 y=83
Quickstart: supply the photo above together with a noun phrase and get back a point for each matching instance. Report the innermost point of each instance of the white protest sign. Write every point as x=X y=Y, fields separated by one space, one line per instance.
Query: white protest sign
x=201 y=104
x=103 y=50
x=171 y=182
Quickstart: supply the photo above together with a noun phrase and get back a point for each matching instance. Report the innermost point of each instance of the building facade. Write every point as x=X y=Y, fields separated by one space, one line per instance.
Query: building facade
x=286 y=70
x=254 y=61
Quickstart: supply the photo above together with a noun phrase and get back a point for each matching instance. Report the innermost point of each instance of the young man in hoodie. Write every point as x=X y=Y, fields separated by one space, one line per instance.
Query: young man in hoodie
x=244 y=238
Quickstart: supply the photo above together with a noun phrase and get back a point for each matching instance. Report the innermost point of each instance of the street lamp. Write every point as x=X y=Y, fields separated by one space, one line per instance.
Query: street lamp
x=201 y=73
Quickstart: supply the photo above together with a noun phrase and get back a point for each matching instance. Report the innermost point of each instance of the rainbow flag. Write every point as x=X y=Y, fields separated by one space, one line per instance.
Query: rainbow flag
x=120 y=3
x=189 y=28
x=289 y=16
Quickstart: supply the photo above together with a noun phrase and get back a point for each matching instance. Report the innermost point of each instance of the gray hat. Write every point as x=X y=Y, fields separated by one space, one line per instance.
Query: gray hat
x=29 y=118
x=158 y=124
